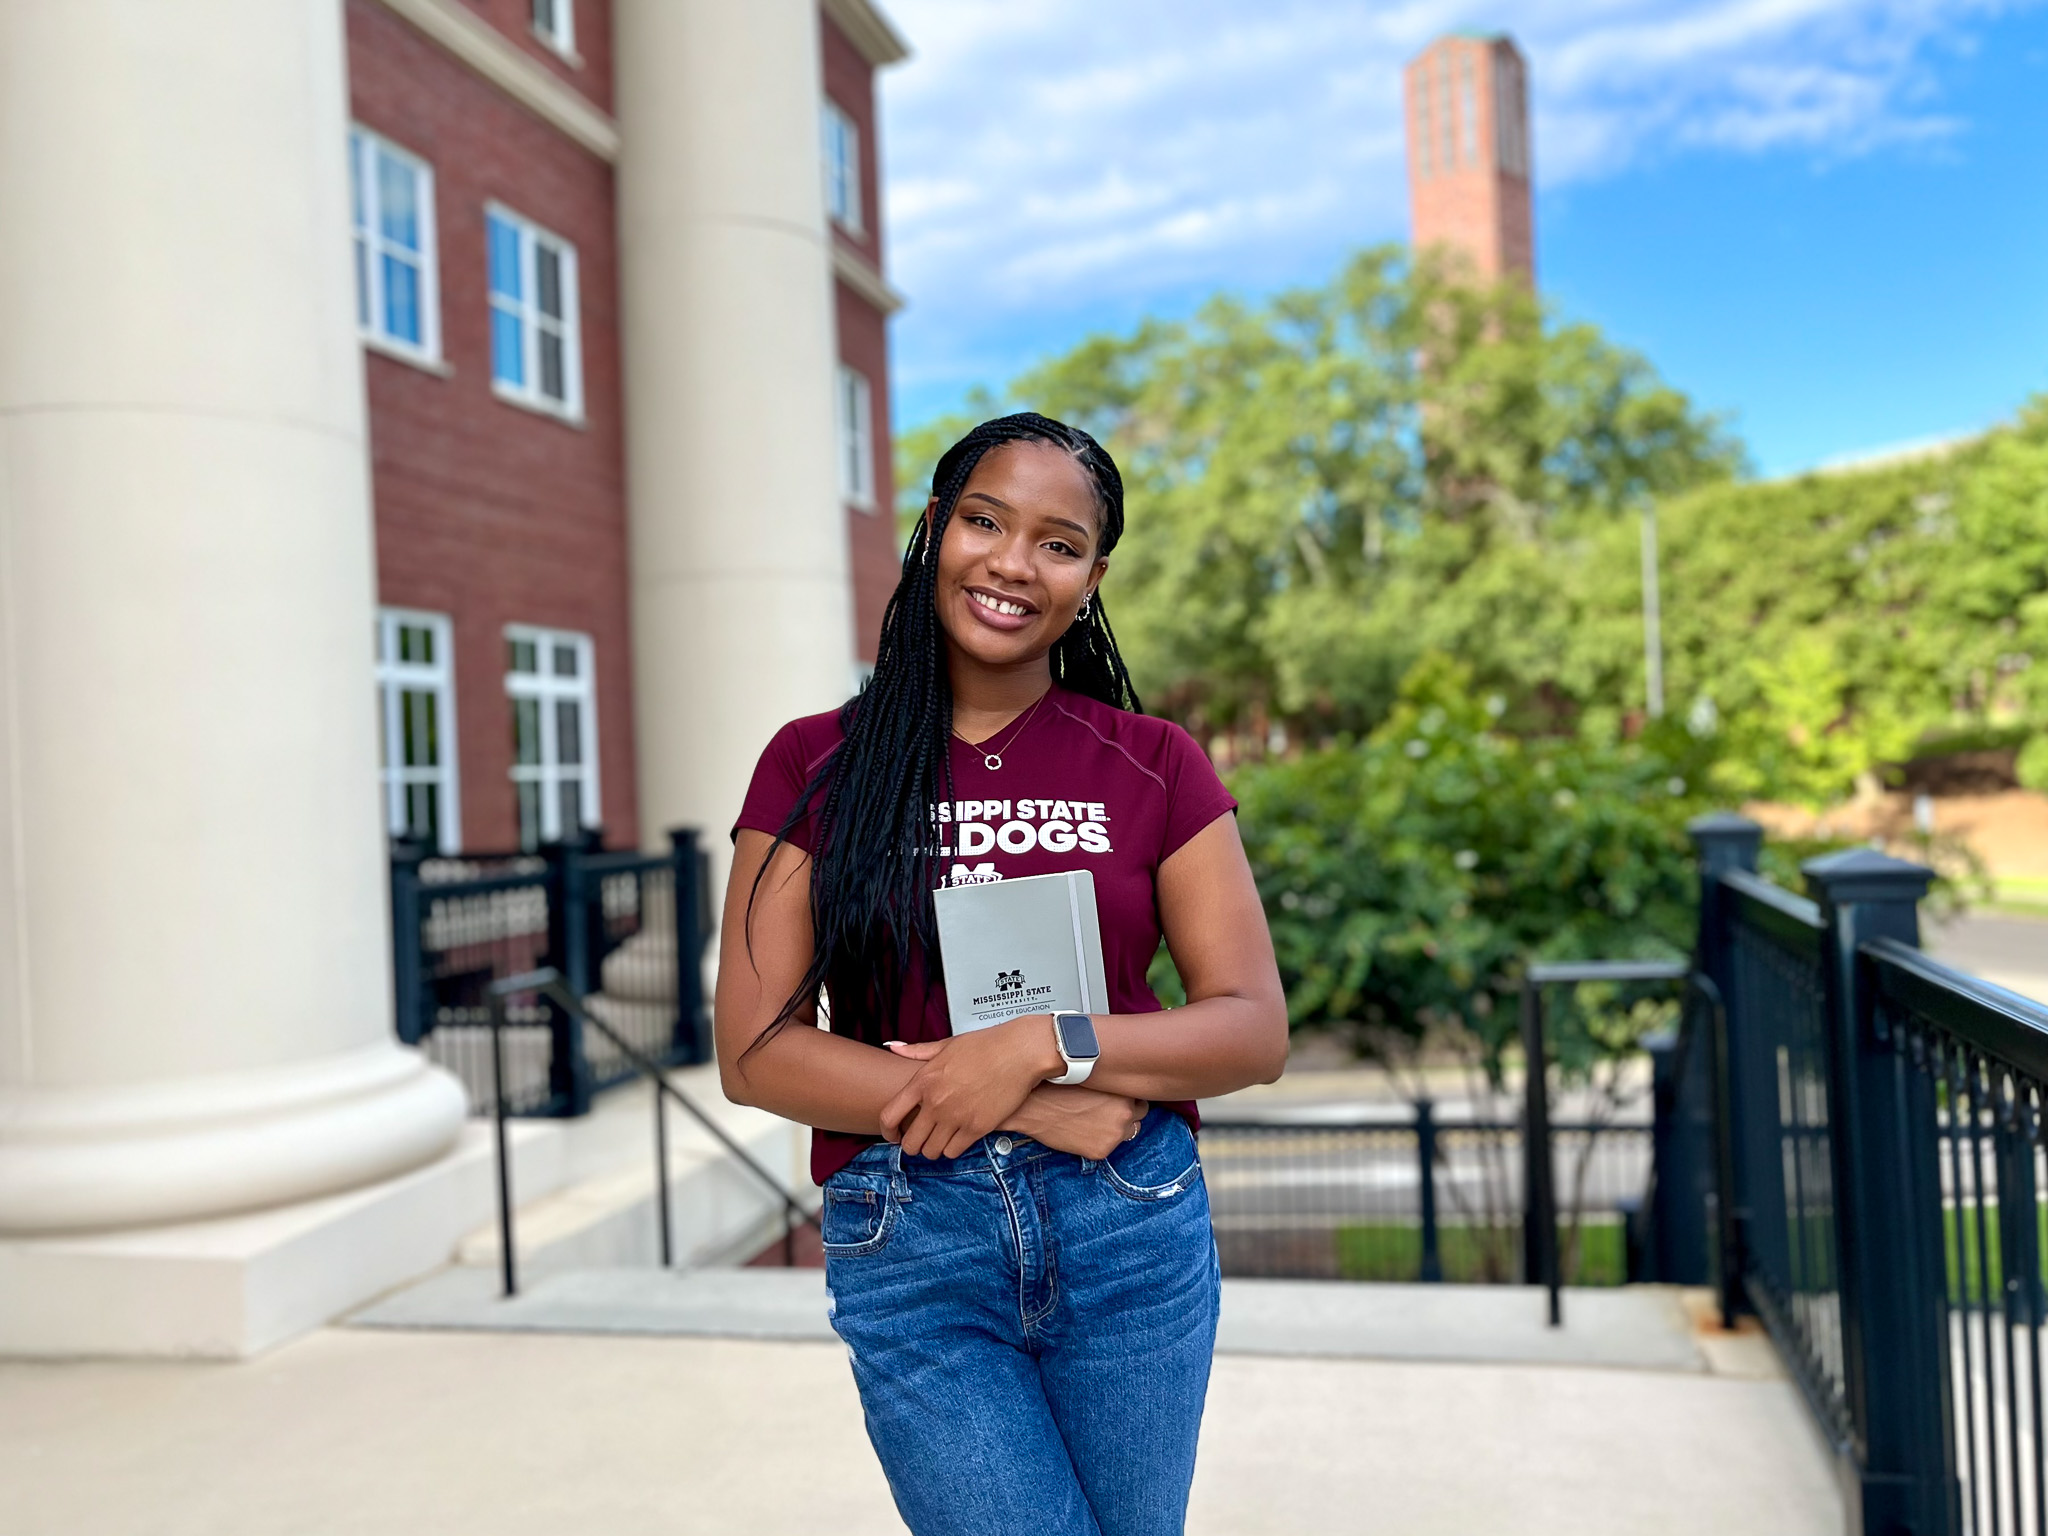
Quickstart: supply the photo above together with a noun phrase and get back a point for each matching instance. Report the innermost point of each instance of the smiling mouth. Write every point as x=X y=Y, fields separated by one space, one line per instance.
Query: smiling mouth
x=1008 y=607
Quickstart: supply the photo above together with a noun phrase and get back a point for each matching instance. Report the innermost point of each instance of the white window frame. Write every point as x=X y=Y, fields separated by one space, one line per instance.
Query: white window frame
x=841 y=152
x=525 y=310
x=561 y=35
x=855 y=403
x=366 y=230
x=544 y=686
x=396 y=678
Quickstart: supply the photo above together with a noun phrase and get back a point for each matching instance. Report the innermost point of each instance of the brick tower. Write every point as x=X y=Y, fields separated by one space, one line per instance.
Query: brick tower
x=1467 y=103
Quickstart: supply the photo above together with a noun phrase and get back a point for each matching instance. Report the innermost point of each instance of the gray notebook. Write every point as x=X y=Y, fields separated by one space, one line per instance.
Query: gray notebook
x=1013 y=947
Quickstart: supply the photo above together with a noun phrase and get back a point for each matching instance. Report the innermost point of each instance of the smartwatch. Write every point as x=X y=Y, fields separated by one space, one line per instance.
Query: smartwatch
x=1074 y=1034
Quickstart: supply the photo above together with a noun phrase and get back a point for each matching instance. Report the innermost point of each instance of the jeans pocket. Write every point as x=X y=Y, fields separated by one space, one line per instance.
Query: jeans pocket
x=1160 y=1164
x=858 y=1215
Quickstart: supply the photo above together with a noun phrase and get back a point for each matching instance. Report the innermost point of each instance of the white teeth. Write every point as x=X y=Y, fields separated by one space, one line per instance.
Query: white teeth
x=1016 y=610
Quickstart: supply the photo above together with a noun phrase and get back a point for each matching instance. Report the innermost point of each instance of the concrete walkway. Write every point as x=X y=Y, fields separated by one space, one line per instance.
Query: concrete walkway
x=1643 y=1327
x=355 y=1431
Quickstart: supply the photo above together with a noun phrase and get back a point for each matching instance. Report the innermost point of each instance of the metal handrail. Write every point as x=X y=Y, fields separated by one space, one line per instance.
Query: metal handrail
x=548 y=983
x=1539 y=1202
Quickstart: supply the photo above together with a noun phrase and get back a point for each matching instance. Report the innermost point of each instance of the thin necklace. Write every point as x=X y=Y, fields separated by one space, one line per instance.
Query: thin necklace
x=994 y=760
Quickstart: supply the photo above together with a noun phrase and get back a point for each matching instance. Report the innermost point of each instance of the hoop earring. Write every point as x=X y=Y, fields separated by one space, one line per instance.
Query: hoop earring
x=1087 y=603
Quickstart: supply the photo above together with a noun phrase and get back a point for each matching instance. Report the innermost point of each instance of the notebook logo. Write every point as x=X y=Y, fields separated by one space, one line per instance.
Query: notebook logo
x=1013 y=995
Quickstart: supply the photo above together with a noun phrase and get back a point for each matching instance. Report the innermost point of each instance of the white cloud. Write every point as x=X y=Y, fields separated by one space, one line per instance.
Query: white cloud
x=1049 y=155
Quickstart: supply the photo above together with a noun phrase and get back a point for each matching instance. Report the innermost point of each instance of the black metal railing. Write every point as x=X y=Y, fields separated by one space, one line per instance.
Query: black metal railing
x=548 y=986
x=1879 y=1195
x=1417 y=1199
x=625 y=930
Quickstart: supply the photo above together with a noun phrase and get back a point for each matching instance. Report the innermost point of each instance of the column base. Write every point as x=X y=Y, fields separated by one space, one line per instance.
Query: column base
x=85 y=1159
x=234 y=1286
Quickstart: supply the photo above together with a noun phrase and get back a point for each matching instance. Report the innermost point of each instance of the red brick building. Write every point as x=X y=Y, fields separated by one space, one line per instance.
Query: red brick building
x=1467 y=111
x=483 y=151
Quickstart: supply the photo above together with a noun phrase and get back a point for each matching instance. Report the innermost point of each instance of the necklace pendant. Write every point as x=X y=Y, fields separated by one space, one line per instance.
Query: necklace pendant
x=992 y=761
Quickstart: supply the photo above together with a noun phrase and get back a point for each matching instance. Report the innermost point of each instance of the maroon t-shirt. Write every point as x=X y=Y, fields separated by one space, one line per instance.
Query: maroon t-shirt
x=1082 y=786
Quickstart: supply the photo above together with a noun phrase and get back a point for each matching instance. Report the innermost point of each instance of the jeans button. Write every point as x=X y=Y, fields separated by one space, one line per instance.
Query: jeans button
x=1004 y=1146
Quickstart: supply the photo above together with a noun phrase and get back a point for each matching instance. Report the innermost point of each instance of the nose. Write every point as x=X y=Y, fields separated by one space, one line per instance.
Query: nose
x=1010 y=559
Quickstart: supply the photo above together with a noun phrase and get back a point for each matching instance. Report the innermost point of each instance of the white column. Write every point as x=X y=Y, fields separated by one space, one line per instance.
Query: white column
x=742 y=613
x=195 y=1010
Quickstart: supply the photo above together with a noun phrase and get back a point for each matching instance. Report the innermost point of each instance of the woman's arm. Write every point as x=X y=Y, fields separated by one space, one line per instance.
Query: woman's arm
x=1233 y=1031
x=826 y=1080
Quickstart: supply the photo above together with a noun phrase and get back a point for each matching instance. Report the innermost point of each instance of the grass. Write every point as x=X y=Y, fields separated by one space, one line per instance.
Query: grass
x=1392 y=1250
x=1966 y=1272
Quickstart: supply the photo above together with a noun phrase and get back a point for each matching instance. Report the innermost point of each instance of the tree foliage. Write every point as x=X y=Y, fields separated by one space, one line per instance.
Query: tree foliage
x=1408 y=877
x=1328 y=485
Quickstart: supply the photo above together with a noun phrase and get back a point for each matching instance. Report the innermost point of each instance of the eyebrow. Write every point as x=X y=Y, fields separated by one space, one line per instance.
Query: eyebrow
x=998 y=501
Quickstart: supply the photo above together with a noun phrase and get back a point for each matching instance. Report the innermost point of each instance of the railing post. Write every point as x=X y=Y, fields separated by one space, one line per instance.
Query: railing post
x=1892 y=1316
x=569 y=1076
x=691 y=904
x=1676 y=1252
x=1710 y=1090
x=1539 y=1187
x=1425 y=1160
x=408 y=969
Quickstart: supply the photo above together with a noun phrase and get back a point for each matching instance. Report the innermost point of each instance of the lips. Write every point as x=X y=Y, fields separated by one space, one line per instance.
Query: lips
x=999 y=611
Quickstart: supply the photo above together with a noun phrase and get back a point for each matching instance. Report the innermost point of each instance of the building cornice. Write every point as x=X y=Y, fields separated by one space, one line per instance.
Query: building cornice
x=868 y=30
x=860 y=274
x=498 y=59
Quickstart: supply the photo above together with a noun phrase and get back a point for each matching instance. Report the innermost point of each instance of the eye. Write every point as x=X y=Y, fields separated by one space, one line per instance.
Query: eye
x=980 y=519
x=1062 y=547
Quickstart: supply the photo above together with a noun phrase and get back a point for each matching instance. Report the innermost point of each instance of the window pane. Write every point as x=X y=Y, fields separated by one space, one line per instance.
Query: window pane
x=547 y=279
x=401 y=300
x=362 y=282
x=423 y=811
x=418 y=711
x=529 y=815
x=398 y=210
x=416 y=643
x=508 y=352
x=544 y=16
x=526 y=732
x=571 y=792
x=552 y=383
x=568 y=732
x=504 y=243
x=566 y=659
x=355 y=180
x=525 y=656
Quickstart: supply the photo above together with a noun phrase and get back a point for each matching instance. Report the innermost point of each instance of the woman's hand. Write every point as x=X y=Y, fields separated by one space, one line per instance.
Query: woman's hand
x=969 y=1085
x=1083 y=1121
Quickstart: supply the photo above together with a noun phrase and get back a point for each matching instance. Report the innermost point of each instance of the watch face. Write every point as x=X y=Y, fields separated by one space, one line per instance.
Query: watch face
x=1077 y=1036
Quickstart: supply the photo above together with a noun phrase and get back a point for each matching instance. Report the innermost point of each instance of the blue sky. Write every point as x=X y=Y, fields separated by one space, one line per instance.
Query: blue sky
x=1826 y=218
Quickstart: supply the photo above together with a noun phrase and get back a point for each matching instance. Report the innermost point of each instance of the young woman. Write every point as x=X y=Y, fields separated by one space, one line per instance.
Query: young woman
x=1023 y=1271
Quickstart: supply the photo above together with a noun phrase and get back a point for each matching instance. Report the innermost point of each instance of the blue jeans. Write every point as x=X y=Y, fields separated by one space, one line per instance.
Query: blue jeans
x=1030 y=1330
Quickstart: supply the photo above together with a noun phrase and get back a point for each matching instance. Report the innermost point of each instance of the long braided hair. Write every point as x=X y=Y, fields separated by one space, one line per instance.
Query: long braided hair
x=876 y=849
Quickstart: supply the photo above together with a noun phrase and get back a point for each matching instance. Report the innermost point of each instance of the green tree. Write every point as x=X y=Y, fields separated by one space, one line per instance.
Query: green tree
x=1328 y=484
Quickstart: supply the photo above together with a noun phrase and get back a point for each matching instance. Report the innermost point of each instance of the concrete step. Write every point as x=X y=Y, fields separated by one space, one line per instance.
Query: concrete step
x=603 y=1214
x=1661 y=1328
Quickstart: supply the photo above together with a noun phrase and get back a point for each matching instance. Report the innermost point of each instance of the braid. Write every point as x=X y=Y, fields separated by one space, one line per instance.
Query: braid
x=876 y=848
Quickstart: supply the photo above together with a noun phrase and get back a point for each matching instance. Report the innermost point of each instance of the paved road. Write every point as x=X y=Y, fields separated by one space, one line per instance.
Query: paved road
x=2011 y=951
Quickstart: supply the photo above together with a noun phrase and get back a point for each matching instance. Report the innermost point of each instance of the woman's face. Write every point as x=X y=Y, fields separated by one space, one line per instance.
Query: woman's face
x=1019 y=554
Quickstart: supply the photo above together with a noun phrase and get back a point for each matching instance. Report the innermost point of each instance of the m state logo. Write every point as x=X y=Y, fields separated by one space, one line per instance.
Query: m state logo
x=1011 y=990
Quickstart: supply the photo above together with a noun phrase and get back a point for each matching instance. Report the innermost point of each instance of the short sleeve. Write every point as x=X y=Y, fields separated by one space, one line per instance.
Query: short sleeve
x=1195 y=795
x=779 y=779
